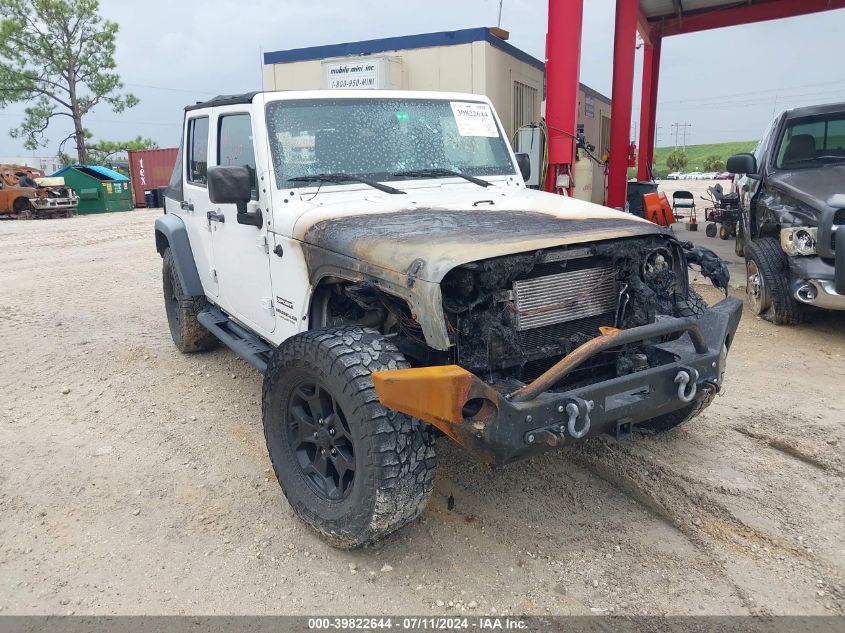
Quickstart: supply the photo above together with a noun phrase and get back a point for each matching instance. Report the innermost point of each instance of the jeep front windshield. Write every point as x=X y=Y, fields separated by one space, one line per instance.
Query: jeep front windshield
x=378 y=138
x=812 y=142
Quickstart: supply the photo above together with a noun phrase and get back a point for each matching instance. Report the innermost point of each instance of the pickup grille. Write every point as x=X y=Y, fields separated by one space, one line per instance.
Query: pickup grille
x=562 y=297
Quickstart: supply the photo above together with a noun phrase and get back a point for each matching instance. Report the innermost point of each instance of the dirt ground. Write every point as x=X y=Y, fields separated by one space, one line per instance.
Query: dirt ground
x=135 y=480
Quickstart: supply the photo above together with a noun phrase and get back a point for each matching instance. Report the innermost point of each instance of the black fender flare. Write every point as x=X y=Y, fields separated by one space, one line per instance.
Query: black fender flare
x=170 y=232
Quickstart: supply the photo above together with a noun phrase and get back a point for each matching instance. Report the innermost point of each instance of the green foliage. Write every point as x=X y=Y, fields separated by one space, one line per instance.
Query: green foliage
x=696 y=155
x=58 y=55
x=713 y=163
x=677 y=160
x=104 y=151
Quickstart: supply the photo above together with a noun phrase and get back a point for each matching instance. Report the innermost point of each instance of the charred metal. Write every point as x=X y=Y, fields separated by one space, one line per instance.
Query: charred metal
x=500 y=334
x=510 y=318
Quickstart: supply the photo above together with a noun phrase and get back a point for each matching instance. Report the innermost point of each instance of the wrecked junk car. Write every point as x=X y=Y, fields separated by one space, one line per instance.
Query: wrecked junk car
x=378 y=257
x=792 y=208
x=50 y=198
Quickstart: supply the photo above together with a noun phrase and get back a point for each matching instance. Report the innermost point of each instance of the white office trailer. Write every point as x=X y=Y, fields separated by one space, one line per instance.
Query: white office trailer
x=476 y=60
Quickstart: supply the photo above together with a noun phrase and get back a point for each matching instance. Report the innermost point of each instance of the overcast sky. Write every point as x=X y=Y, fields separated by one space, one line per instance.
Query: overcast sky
x=726 y=83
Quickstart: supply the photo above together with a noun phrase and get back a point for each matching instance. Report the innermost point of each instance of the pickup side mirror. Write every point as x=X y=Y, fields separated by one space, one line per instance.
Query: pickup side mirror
x=742 y=164
x=524 y=163
x=231 y=185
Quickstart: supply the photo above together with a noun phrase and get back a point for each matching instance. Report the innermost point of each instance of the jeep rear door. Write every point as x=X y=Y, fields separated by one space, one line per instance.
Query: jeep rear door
x=241 y=252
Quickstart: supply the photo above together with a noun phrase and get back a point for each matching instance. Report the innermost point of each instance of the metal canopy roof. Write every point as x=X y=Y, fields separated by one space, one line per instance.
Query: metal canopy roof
x=663 y=18
x=678 y=8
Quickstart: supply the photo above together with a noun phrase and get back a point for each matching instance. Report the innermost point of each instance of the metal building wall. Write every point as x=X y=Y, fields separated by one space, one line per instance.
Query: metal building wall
x=475 y=67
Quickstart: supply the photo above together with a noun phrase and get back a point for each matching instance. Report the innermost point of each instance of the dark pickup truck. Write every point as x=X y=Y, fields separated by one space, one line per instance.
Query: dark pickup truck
x=792 y=198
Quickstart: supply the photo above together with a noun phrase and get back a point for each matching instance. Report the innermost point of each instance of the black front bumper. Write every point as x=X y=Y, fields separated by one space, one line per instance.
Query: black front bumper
x=616 y=406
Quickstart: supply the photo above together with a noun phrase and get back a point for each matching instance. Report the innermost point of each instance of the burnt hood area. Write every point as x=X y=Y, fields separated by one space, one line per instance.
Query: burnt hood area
x=445 y=238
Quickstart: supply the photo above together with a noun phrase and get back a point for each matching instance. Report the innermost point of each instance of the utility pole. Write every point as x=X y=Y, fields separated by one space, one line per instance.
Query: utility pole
x=685 y=126
x=677 y=129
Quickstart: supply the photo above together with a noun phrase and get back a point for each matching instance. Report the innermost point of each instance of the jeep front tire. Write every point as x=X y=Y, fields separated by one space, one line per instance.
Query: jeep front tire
x=351 y=469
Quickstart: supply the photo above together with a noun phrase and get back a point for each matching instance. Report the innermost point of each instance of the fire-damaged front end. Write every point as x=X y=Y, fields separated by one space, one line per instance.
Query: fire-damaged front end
x=566 y=343
x=596 y=331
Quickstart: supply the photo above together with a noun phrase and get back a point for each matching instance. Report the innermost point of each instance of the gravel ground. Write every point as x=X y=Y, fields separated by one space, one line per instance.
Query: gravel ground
x=135 y=480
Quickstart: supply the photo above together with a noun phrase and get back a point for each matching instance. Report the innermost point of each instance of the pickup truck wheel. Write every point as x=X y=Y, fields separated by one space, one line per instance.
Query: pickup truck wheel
x=23 y=207
x=188 y=333
x=767 y=283
x=351 y=469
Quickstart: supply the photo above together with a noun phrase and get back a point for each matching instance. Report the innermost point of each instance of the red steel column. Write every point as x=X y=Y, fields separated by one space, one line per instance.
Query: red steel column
x=624 y=43
x=563 y=60
x=648 y=108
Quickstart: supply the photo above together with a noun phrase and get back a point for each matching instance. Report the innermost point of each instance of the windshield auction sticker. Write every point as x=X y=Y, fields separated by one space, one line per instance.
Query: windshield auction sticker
x=474 y=119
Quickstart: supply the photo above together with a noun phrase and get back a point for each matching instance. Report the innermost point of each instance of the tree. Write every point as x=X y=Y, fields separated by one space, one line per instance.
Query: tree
x=58 y=54
x=104 y=151
x=676 y=160
x=714 y=163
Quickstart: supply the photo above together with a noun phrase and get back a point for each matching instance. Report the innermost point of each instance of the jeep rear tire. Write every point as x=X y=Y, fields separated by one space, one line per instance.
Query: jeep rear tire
x=351 y=469
x=767 y=283
x=188 y=333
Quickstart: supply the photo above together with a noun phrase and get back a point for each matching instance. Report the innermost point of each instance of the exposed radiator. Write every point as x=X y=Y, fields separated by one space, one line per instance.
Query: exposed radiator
x=564 y=297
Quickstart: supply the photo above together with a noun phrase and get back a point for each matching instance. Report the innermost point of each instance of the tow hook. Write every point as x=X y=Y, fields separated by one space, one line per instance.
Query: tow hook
x=576 y=409
x=579 y=409
x=687 y=377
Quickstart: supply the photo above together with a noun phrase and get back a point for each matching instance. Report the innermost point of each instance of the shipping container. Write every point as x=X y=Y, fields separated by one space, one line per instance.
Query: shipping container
x=150 y=169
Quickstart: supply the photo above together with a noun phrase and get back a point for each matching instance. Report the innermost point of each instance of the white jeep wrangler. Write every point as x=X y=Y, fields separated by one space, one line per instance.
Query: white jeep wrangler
x=378 y=257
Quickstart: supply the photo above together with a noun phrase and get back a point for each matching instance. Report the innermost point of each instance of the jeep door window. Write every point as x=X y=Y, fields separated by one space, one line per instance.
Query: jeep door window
x=235 y=145
x=376 y=138
x=812 y=142
x=198 y=151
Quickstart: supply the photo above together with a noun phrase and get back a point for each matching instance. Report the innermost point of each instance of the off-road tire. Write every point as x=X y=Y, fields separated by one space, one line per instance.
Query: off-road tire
x=693 y=305
x=669 y=421
x=711 y=229
x=188 y=333
x=772 y=265
x=394 y=454
x=725 y=232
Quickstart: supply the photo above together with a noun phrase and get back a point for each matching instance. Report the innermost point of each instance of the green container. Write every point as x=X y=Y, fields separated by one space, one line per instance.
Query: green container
x=100 y=189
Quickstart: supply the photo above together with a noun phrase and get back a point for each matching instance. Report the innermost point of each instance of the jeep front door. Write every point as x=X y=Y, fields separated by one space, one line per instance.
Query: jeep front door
x=241 y=254
x=194 y=204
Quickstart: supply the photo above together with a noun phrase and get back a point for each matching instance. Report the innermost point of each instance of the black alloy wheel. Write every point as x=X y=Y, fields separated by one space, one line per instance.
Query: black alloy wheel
x=320 y=438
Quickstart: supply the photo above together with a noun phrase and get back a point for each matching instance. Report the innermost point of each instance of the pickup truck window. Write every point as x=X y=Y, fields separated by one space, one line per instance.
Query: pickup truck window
x=198 y=150
x=811 y=142
x=376 y=138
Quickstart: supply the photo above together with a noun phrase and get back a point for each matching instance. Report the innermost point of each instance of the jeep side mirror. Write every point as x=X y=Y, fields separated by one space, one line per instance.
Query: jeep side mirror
x=742 y=164
x=524 y=163
x=231 y=185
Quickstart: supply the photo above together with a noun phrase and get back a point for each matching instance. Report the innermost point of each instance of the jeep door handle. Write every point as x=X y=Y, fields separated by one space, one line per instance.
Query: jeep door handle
x=215 y=217
x=186 y=206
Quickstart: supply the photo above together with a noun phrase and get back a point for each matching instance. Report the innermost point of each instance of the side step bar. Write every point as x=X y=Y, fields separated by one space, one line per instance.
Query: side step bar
x=245 y=344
